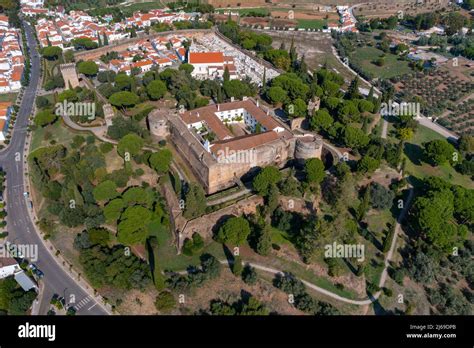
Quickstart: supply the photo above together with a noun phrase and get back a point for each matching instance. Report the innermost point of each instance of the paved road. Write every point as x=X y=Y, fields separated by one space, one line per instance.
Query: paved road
x=384 y=128
x=20 y=226
x=424 y=121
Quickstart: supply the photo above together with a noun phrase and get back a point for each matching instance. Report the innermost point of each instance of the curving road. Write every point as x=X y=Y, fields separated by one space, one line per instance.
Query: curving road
x=20 y=225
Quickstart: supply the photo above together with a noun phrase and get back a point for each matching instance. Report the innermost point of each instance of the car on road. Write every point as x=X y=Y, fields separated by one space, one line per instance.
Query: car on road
x=36 y=271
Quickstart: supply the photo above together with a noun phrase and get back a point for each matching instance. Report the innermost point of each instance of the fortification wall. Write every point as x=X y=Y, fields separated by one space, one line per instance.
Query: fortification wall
x=223 y=175
x=126 y=43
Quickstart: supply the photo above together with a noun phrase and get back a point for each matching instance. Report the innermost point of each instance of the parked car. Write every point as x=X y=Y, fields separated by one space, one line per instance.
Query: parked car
x=36 y=271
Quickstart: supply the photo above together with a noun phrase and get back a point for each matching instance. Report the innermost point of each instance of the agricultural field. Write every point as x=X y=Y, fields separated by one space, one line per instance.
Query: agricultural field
x=386 y=8
x=366 y=58
x=312 y=24
x=444 y=94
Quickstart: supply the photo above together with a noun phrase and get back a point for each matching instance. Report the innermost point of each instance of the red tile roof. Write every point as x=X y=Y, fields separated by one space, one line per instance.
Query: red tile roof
x=206 y=57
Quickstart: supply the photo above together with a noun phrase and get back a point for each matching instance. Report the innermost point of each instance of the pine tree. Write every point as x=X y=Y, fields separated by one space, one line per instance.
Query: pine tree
x=353 y=90
x=272 y=199
x=264 y=241
x=293 y=54
x=237 y=267
x=364 y=205
x=370 y=97
x=106 y=40
x=48 y=41
x=99 y=40
x=226 y=75
x=219 y=96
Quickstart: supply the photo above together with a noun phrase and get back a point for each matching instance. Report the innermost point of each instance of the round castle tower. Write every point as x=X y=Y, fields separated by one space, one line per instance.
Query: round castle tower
x=307 y=147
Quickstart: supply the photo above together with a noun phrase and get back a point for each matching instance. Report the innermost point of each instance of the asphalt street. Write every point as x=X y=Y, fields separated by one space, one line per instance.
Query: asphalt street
x=20 y=227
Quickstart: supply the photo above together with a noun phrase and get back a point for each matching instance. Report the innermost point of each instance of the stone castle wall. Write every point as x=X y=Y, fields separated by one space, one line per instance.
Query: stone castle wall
x=123 y=45
x=223 y=175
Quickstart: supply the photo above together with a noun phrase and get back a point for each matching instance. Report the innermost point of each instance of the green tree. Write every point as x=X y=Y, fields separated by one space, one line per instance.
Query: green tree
x=439 y=151
x=364 y=205
x=249 y=275
x=355 y=137
x=51 y=52
x=277 y=95
x=264 y=241
x=131 y=143
x=314 y=171
x=113 y=210
x=156 y=89
x=105 y=191
x=237 y=267
x=88 y=68
x=321 y=120
x=195 y=202
x=44 y=118
x=367 y=164
x=124 y=99
x=234 y=231
x=268 y=176
x=133 y=226
x=381 y=197
x=160 y=161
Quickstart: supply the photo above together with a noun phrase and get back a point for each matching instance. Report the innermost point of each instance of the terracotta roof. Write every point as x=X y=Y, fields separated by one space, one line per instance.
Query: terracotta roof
x=6 y=261
x=17 y=72
x=208 y=114
x=141 y=63
x=163 y=60
x=212 y=121
x=244 y=142
x=205 y=57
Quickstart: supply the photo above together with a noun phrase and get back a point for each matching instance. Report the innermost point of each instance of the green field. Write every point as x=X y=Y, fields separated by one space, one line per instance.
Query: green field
x=247 y=11
x=365 y=56
x=416 y=167
x=168 y=259
x=142 y=6
x=57 y=131
x=312 y=23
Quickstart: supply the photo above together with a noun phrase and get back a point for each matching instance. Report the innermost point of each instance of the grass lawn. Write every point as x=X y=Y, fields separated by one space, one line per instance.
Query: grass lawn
x=415 y=166
x=280 y=237
x=61 y=134
x=364 y=57
x=166 y=252
x=377 y=220
x=311 y=23
x=8 y=97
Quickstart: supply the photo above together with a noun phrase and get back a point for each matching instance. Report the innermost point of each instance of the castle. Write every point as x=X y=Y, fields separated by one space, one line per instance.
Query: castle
x=224 y=142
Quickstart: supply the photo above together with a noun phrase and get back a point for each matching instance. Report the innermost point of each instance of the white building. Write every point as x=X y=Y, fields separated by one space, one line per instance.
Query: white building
x=8 y=267
x=32 y=3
